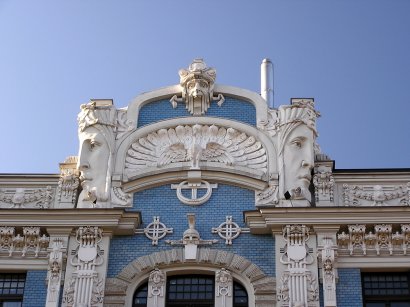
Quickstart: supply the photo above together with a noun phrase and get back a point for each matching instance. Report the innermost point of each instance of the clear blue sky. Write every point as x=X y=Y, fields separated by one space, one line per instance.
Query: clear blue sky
x=351 y=56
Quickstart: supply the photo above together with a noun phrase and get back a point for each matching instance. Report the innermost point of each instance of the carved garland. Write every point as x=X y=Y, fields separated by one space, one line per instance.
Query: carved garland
x=40 y=198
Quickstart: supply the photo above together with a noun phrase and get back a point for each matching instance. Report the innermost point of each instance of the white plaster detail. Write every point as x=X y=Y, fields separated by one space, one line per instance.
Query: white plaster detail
x=268 y=196
x=261 y=290
x=298 y=285
x=327 y=253
x=85 y=286
x=96 y=131
x=155 y=230
x=191 y=239
x=293 y=129
x=229 y=230
x=223 y=288
x=354 y=239
x=194 y=187
x=29 y=244
x=324 y=183
x=57 y=249
x=156 y=286
x=68 y=183
x=27 y=198
x=378 y=240
x=197 y=85
x=377 y=195
x=194 y=144
x=120 y=199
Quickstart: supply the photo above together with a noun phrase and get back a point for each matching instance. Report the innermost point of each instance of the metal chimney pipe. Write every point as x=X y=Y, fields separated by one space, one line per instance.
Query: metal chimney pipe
x=267 y=82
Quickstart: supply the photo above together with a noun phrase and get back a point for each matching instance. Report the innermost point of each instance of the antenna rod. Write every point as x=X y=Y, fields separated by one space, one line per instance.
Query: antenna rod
x=267 y=82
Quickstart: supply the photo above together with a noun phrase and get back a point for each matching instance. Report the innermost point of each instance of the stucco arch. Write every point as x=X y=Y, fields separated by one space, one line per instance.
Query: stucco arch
x=260 y=136
x=261 y=288
x=138 y=102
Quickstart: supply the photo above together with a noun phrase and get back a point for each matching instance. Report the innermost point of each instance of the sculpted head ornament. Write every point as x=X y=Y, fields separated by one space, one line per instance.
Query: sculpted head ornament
x=197 y=84
x=96 y=132
x=91 y=114
x=295 y=127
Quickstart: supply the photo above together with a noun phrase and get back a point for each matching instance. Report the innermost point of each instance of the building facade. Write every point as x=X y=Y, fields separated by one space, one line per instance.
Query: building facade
x=200 y=194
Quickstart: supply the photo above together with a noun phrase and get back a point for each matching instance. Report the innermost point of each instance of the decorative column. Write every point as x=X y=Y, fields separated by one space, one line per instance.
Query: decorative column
x=323 y=181
x=68 y=184
x=156 y=289
x=57 y=255
x=327 y=255
x=296 y=268
x=86 y=268
x=223 y=288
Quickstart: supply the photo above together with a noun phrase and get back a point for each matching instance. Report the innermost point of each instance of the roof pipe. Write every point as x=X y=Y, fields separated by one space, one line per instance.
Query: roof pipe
x=267 y=82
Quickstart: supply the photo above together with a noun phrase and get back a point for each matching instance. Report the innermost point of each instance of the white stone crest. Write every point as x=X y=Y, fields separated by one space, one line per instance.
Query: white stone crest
x=229 y=230
x=194 y=200
x=85 y=287
x=155 y=230
x=195 y=144
x=197 y=83
x=298 y=285
x=191 y=239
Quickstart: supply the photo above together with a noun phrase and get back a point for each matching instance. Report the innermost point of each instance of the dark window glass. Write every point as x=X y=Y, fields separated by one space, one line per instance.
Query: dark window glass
x=140 y=296
x=12 y=289
x=383 y=289
x=190 y=290
x=240 y=297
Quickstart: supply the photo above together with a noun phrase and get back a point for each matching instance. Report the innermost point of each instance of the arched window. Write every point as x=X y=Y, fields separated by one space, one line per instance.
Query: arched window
x=191 y=291
x=140 y=296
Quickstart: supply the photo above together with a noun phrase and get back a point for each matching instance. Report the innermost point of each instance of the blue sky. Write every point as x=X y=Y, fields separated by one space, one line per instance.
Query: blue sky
x=351 y=56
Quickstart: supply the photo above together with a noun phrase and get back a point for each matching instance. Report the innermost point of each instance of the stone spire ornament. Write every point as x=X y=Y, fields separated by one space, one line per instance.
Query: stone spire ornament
x=197 y=84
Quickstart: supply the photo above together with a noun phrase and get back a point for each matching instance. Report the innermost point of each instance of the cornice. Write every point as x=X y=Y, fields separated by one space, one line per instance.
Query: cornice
x=21 y=180
x=117 y=221
x=267 y=220
x=177 y=176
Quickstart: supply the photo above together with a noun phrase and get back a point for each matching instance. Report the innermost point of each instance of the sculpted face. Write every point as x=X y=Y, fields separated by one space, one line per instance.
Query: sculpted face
x=298 y=159
x=93 y=164
x=197 y=88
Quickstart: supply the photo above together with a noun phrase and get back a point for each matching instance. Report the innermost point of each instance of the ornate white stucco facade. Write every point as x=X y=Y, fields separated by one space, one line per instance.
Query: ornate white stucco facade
x=179 y=183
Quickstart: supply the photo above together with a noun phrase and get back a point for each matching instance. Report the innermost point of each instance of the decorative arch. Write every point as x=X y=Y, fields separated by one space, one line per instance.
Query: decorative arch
x=261 y=288
x=138 y=102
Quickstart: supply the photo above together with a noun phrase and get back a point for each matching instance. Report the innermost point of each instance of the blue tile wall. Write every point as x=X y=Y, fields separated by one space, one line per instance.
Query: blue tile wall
x=162 y=201
x=35 y=290
x=231 y=109
x=349 y=288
